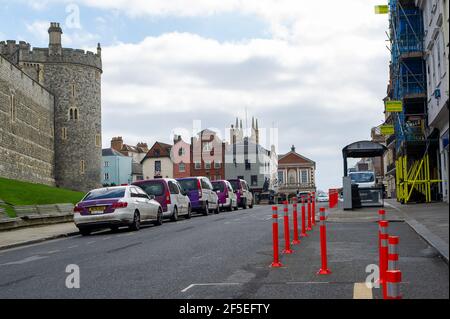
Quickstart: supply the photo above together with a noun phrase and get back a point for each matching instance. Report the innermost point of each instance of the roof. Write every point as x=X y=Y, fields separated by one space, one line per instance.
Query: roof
x=163 y=148
x=364 y=149
x=111 y=152
x=292 y=155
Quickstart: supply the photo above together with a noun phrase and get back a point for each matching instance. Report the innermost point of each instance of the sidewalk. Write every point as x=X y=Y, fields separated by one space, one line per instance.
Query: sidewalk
x=430 y=221
x=30 y=235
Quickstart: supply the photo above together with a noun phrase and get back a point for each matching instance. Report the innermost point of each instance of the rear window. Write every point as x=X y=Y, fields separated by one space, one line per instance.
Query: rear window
x=236 y=184
x=188 y=184
x=218 y=186
x=105 y=193
x=153 y=188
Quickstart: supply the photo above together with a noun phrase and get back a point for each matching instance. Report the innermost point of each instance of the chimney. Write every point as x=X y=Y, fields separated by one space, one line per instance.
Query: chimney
x=54 y=44
x=99 y=50
x=293 y=148
x=117 y=143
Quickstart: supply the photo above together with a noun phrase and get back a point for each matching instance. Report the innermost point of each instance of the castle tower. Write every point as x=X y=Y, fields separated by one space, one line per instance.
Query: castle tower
x=74 y=76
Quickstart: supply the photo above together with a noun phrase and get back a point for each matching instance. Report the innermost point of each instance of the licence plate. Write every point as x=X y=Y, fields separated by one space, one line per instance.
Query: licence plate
x=97 y=209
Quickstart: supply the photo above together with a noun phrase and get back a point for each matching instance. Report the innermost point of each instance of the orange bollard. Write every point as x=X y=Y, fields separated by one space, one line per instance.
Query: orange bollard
x=313 y=216
x=383 y=254
x=287 y=245
x=276 y=261
x=393 y=280
x=303 y=234
x=296 y=240
x=309 y=214
x=323 y=244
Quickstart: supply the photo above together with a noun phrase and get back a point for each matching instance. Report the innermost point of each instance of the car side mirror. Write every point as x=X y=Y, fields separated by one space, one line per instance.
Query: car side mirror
x=151 y=197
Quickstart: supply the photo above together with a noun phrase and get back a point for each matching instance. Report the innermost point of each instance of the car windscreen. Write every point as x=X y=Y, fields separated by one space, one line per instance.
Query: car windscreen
x=362 y=177
x=188 y=184
x=105 y=193
x=236 y=184
x=153 y=188
x=218 y=186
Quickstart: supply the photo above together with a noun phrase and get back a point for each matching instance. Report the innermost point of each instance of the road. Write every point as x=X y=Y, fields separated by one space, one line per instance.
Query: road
x=216 y=256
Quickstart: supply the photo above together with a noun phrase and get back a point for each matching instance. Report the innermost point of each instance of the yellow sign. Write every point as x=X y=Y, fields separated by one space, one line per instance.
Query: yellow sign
x=394 y=106
x=387 y=129
x=381 y=9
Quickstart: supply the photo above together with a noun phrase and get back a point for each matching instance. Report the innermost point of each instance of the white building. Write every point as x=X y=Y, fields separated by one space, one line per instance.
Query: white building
x=436 y=46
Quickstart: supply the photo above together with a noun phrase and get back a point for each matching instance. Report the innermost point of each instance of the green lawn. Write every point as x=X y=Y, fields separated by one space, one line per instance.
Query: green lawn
x=22 y=193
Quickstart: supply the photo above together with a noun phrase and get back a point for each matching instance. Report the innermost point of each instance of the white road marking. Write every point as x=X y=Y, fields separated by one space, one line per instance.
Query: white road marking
x=24 y=261
x=73 y=246
x=212 y=284
x=90 y=242
x=306 y=282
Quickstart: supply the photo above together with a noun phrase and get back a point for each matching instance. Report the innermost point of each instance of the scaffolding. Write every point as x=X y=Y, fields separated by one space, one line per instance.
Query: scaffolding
x=414 y=169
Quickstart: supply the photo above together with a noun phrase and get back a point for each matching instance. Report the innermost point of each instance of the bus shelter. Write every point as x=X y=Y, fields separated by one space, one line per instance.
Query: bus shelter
x=353 y=195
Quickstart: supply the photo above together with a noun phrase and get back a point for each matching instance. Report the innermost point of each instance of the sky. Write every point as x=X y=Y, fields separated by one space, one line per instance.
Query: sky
x=315 y=70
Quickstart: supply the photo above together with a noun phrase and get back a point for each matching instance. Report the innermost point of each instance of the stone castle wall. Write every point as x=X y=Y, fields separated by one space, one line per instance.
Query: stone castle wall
x=27 y=133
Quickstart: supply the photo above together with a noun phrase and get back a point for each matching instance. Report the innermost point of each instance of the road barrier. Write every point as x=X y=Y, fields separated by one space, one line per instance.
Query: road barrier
x=323 y=243
x=313 y=209
x=383 y=258
x=287 y=242
x=303 y=234
x=393 y=252
x=296 y=240
x=276 y=260
x=309 y=228
x=333 y=198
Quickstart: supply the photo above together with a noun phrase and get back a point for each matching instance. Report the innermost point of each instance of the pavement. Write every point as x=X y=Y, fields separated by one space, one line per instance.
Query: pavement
x=31 y=235
x=431 y=221
x=220 y=256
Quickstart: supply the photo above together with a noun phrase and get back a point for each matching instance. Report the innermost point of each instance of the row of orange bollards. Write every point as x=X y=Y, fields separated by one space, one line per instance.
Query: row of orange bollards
x=307 y=223
x=390 y=275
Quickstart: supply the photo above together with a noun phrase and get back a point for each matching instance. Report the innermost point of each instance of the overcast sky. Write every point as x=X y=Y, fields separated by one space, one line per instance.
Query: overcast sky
x=317 y=70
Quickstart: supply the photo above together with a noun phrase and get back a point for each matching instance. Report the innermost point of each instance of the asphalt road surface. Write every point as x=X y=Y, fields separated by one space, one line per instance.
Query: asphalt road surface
x=217 y=256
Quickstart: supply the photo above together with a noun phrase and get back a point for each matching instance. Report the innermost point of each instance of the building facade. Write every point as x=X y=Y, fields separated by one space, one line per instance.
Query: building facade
x=50 y=113
x=246 y=159
x=436 y=47
x=181 y=157
x=208 y=155
x=157 y=163
x=116 y=168
x=296 y=173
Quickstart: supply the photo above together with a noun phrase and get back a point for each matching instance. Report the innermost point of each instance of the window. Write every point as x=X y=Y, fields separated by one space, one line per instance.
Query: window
x=106 y=164
x=173 y=188
x=254 y=180
x=304 y=176
x=248 y=166
x=207 y=146
x=197 y=165
x=206 y=184
x=157 y=167
x=82 y=166
x=207 y=164
x=64 y=133
x=73 y=113
x=182 y=167
x=72 y=88
x=157 y=153
x=106 y=176
x=98 y=140
x=280 y=177
x=217 y=164
x=13 y=108
x=181 y=151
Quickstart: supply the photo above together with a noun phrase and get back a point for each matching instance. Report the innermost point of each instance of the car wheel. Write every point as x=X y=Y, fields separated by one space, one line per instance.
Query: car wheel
x=189 y=213
x=136 y=225
x=251 y=205
x=244 y=205
x=174 y=217
x=230 y=209
x=206 y=210
x=159 y=218
x=236 y=207
x=85 y=232
x=217 y=210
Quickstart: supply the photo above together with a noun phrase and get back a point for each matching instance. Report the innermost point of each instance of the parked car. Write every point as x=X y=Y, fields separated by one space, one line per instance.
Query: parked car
x=113 y=207
x=244 y=196
x=169 y=193
x=321 y=198
x=201 y=193
x=226 y=194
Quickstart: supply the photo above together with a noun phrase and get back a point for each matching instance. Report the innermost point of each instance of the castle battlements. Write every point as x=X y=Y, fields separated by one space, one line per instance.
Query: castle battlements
x=23 y=52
